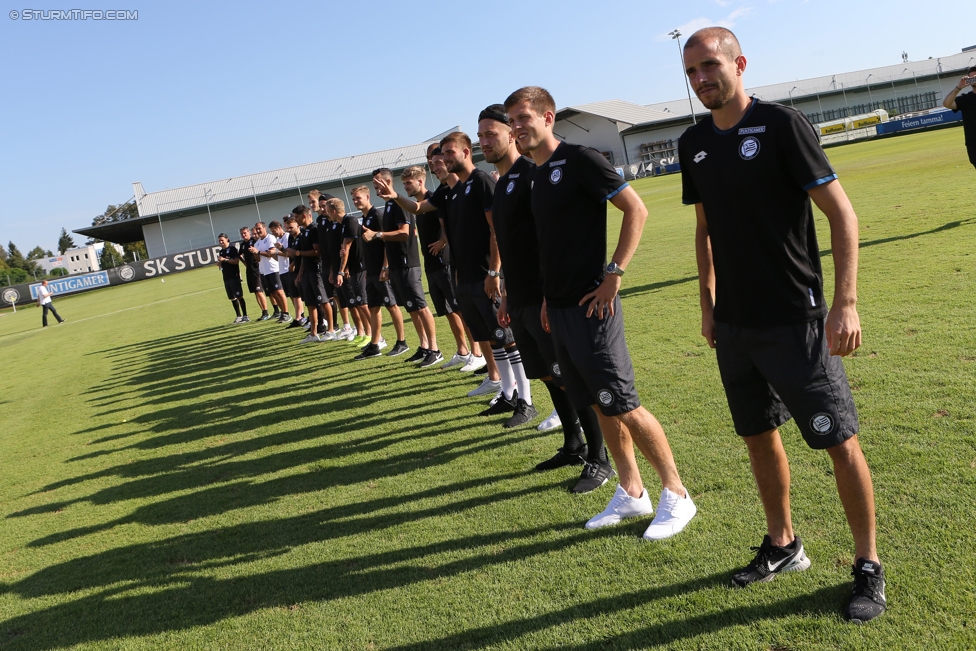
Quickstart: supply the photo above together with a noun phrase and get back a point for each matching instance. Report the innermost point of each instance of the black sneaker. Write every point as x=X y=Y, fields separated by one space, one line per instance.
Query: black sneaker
x=524 y=412
x=594 y=475
x=399 y=348
x=369 y=350
x=564 y=458
x=433 y=356
x=482 y=371
x=263 y=317
x=501 y=405
x=868 y=596
x=297 y=323
x=418 y=356
x=770 y=561
x=245 y=319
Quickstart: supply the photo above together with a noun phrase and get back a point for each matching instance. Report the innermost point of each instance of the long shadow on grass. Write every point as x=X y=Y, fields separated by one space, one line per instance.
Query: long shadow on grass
x=897 y=238
x=168 y=590
x=627 y=292
x=819 y=603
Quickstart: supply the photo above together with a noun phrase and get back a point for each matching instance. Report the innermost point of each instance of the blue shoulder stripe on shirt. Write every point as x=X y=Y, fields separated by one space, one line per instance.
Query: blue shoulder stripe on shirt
x=614 y=193
x=826 y=179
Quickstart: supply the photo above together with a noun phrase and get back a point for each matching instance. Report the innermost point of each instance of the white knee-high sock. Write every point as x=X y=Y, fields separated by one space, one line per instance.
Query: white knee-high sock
x=524 y=387
x=505 y=371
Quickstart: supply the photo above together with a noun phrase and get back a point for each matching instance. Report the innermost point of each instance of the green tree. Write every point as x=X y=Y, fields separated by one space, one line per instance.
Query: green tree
x=14 y=276
x=135 y=251
x=57 y=272
x=110 y=257
x=65 y=242
x=37 y=253
x=16 y=260
x=114 y=213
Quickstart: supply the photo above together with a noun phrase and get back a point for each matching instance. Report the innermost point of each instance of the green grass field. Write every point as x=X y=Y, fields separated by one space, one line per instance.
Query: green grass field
x=170 y=481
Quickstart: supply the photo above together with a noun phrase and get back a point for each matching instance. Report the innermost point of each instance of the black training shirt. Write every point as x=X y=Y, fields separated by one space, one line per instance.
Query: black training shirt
x=228 y=269
x=468 y=230
x=569 y=201
x=400 y=255
x=373 y=250
x=440 y=198
x=967 y=104
x=350 y=229
x=515 y=232
x=308 y=239
x=250 y=260
x=322 y=225
x=752 y=182
x=429 y=231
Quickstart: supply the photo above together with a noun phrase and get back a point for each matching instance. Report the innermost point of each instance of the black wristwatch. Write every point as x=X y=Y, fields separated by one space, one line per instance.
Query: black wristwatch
x=615 y=269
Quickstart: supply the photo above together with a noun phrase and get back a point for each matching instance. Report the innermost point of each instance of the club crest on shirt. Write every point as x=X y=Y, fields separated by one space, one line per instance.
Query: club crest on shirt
x=556 y=175
x=555 y=370
x=749 y=148
x=511 y=186
x=467 y=189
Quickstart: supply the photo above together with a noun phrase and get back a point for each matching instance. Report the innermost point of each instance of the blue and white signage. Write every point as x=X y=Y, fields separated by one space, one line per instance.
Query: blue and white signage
x=73 y=284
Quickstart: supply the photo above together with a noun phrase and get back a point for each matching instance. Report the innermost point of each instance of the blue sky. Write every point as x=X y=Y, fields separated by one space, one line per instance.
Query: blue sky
x=192 y=92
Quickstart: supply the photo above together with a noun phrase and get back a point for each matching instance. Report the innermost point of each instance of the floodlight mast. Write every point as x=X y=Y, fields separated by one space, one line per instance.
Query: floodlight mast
x=676 y=35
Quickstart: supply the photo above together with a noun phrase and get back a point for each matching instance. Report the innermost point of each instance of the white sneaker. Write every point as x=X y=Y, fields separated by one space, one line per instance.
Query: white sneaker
x=348 y=335
x=474 y=363
x=621 y=506
x=550 y=423
x=237 y=320
x=673 y=513
x=346 y=329
x=328 y=335
x=457 y=360
x=487 y=386
x=382 y=343
x=309 y=339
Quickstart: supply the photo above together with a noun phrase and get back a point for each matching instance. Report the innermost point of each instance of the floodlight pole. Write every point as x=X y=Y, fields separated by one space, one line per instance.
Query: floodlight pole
x=868 y=84
x=676 y=35
x=790 y=92
x=255 y=195
x=917 y=91
x=209 y=216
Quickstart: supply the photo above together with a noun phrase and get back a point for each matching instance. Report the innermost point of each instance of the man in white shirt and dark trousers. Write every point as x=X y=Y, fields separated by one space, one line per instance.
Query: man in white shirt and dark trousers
x=44 y=301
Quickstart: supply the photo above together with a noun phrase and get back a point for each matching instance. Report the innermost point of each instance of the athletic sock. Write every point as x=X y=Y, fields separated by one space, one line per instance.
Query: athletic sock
x=524 y=388
x=505 y=371
x=572 y=433
x=237 y=308
x=284 y=314
x=243 y=306
x=594 y=435
x=264 y=313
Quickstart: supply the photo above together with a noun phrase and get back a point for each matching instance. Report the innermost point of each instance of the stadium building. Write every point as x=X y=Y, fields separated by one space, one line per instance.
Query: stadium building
x=191 y=217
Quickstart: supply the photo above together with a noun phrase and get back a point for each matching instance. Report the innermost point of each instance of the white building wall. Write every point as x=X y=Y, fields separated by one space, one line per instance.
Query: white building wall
x=593 y=131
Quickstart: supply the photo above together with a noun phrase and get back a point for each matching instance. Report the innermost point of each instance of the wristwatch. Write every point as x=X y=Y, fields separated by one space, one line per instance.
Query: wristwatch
x=493 y=273
x=615 y=269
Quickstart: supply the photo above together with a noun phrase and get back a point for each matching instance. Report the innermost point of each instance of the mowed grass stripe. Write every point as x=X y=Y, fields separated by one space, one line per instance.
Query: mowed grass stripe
x=175 y=482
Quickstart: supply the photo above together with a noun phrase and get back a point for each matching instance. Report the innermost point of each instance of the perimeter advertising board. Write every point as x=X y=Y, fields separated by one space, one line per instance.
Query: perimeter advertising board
x=130 y=272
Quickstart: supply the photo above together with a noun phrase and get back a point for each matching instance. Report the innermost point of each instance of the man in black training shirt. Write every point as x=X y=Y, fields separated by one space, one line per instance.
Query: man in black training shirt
x=475 y=264
x=967 y=104
x=251 y=271
x=399 y=235
x=348 y=273
x=750 y=169
x=282 y=235
x=379 y=293
x=228 y=259
x=333 y=242
x=308 y=277
x=327 y=317
x=432 y=233
x=570 y=189
x=521 y=304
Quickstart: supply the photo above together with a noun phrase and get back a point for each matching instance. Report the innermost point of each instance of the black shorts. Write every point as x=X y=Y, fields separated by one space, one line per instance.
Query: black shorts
x=593 y=359
x=440 y=284
x=534 y=343
x=271 y=282
x=379 y=294
x=233 y=288
x=340 y=294
x=777 y=373
x=288 y=285
x=313 y=291
x=407 y=288
x=481 y=315
x=253 y=282
x=971 y=150
x=354 y=289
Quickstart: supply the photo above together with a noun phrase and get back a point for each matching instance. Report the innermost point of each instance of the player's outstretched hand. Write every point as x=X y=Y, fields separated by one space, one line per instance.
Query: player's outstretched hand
x=601 y=298
x=843 y=330
x=384 y=188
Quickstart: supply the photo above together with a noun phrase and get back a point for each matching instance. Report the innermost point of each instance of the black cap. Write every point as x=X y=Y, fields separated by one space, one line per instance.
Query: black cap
x=495 y=112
